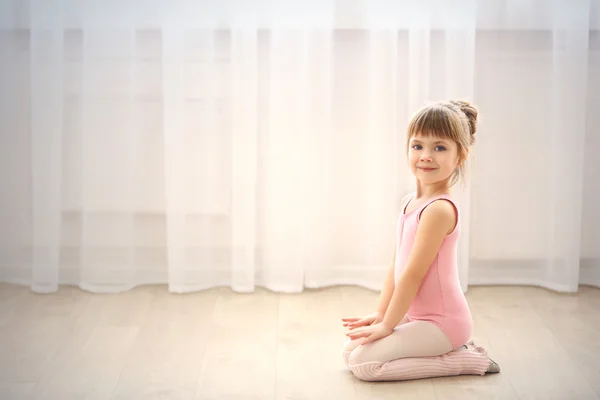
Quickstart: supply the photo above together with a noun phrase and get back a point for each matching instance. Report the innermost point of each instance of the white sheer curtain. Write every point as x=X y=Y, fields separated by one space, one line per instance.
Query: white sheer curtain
x=254 y=143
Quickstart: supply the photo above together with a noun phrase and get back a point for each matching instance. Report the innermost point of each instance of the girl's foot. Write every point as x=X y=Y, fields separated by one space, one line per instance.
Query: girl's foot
x=493 y=368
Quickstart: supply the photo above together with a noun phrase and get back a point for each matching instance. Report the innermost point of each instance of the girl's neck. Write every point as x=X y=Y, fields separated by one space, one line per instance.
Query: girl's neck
x=428 y=191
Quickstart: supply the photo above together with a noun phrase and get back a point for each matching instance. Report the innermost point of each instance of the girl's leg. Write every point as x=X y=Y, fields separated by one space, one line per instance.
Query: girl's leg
x=350 y=344
x=413 y=339
x=415 y=350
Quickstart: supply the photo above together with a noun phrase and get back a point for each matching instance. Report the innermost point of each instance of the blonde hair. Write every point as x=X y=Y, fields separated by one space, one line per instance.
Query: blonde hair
x=455 y=120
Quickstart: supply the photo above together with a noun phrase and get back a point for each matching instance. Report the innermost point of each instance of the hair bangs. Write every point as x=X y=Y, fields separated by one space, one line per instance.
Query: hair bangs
x=433 y=121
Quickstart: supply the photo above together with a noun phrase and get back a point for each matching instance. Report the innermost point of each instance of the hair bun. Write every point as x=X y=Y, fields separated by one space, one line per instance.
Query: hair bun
x=470 y=111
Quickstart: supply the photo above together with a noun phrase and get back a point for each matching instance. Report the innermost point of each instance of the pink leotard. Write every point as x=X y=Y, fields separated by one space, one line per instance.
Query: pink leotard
x=440 y=299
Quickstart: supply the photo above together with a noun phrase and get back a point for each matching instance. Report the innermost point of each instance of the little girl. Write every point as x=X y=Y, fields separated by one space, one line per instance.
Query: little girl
x=422 y=324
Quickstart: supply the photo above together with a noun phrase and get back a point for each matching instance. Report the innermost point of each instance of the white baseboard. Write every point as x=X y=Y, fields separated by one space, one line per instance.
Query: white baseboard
x=528 y=273
x=589 y=272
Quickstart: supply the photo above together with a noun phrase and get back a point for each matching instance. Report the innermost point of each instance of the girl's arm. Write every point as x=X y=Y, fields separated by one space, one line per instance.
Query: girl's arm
x=388 y=288
x=437 y=220
x=388 y=284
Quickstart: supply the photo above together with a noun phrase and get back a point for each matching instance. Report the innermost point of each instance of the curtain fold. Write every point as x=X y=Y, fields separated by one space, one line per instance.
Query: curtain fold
x=251 y=143
x=589 y=272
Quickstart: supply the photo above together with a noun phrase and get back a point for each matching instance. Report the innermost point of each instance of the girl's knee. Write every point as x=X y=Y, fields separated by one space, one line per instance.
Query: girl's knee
x=347 y=349
x=365 y=364
x=350 y=345
x=361 y=355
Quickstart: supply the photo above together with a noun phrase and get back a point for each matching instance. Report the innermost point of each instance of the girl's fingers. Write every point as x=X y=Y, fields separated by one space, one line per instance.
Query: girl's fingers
x=357 y=333
x=359 y=324
x=358 y=336
x=355 y=324
x=354 y=319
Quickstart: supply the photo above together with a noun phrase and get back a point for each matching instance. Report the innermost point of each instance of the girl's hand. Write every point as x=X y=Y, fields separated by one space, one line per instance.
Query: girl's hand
x=353 y=323
x=371 y=333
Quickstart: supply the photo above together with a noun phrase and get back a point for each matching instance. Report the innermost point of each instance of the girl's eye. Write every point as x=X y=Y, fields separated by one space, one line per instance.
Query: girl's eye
x=440 y=148
x=417 y=147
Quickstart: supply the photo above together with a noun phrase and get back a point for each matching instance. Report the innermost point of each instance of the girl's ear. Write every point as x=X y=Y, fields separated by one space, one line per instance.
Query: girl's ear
x=463 y=156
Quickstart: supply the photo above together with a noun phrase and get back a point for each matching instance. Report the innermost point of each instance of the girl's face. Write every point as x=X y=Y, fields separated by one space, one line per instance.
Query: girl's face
x=432 y=159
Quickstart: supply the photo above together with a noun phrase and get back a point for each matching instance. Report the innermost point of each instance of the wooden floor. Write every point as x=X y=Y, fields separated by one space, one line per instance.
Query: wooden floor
x=149 y=344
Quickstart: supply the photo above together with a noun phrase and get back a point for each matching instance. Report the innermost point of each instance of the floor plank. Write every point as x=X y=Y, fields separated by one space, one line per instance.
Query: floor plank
x=95 y=347
x=165 y=360
x=530 y=355
x=239 y=360
x=309 y=348
x=217 y=344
